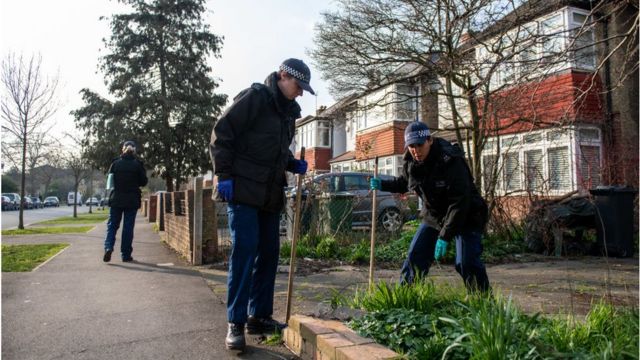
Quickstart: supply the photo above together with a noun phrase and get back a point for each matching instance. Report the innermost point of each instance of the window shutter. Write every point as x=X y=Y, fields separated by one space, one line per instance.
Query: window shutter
x=590 y=166
x=488 y=167
x=533 y=162
x=559 y=168
x=512 y=177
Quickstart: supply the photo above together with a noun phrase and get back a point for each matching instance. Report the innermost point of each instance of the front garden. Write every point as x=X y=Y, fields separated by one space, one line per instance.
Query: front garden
x=436 y=320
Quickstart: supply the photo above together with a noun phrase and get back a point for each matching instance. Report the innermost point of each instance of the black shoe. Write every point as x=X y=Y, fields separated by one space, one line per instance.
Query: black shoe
x=107 y=256
x=129 y=259
x=256 y=325
x=235 y=337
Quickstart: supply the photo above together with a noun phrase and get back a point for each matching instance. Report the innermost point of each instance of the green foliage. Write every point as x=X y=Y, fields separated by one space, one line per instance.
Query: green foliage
x=274 y=339
x=422 y=295
x=606 y=333
x=8 y=186
x=327 y=248
x=425 y=321
x=156 y=68
x=19 y=258
x=500 y=244
x=359 y=253
x=493 y=329
x=97 y=217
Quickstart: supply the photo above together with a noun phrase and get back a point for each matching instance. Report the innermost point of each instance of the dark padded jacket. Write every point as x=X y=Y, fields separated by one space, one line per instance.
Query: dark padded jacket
x=128 y=176
x=444 y=182
x=250 y=144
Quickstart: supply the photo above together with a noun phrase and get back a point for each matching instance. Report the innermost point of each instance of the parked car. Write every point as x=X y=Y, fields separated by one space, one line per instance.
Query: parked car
x=37 y=204
x=7 y=204
x=14 y=199
x=92 y=201
x=27 y=202
x=392 y=209
x=51 y=201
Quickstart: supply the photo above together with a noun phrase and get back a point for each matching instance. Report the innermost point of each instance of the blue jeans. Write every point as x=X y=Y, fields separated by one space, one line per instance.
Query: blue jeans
x=115 y=216
x=253 y=263
x=468 y=262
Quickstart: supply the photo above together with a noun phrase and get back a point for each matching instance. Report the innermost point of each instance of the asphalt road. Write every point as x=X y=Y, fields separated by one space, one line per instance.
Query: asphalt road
x=10 y=218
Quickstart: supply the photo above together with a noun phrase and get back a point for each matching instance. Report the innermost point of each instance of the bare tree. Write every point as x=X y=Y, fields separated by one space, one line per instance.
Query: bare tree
x=28 y=100
x=477 y=55
x=75 y=162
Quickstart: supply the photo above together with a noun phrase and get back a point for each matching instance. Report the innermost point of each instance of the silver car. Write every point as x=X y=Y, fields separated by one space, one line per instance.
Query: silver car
x=392 y=209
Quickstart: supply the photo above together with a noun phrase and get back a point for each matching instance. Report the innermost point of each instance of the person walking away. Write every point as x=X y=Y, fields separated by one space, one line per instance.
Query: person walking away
x=124 y=200
x=453 y=209
x=250 y=154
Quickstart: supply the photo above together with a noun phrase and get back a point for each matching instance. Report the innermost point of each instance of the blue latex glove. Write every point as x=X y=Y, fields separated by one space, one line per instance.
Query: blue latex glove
x=441 y=248
x=225 y=189
x=300 y=167
x=375 y=183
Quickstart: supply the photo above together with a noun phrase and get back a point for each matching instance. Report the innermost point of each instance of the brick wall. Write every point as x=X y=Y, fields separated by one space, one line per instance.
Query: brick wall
x=209 y=228
x=177 y=225
x=153 y=208
x=179 y=222
x=317 y=158
x=559 y=99
x=384 y=141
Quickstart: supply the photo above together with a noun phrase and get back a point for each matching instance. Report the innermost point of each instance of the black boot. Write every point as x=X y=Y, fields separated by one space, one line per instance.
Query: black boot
x=107 y=256
x=256 y=325
x=235 y=337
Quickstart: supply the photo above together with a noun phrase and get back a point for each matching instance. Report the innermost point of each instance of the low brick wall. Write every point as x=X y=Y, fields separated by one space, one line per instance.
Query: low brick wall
x=312 y=338
x=209 y=228
x=153 y=208
x=177 y=221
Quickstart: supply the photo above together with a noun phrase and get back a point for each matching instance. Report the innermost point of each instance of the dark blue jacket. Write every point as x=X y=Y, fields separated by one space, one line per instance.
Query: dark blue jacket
x=444 y=182
x=250 y=144
x=128 y=176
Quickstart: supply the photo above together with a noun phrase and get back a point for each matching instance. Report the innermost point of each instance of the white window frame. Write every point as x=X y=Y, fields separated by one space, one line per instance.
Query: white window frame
x=552 y=138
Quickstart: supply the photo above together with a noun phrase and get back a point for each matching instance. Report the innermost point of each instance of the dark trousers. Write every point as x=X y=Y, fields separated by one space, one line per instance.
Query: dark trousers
x=253 y=263
x=115 y=216
x=468 y=263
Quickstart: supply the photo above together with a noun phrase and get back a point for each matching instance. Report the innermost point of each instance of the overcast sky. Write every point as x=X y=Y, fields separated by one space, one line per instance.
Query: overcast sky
x=68 y=34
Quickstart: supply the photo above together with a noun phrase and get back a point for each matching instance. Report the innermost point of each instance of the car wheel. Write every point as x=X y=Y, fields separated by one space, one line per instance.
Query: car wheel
x=391 y=220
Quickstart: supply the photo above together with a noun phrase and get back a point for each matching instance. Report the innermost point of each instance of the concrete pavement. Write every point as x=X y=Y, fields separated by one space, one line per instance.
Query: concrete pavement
x=77 y=307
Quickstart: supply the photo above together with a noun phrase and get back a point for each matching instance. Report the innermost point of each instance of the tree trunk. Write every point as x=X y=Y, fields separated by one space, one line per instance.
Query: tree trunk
x=22 y=181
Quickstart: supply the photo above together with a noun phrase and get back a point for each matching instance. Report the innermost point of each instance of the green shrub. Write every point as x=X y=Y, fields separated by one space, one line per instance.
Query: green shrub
x=424 y=321
x=359 y=253
x=327 y=248
x=422 y=295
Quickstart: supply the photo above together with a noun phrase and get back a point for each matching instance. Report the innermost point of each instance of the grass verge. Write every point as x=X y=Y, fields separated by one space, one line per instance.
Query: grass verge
x=20 y=258
x=48 y=230
x=81 y=219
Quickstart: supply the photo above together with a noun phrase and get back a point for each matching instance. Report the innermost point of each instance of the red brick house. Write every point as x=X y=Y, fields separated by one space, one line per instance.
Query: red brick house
x=570 y=124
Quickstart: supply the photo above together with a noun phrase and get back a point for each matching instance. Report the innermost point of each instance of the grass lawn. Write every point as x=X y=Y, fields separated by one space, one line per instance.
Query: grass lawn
x=17 y=258
x=96 y=217
x=48 y=230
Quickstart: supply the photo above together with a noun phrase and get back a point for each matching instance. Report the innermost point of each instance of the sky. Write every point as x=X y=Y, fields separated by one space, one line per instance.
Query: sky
x=258 y=36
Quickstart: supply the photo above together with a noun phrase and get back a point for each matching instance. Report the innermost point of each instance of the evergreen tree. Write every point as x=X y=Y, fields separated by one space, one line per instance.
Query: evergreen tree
x=157 y=72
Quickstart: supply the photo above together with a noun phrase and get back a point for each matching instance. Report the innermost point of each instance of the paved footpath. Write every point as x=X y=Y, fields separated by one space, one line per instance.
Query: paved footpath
x=77 y=307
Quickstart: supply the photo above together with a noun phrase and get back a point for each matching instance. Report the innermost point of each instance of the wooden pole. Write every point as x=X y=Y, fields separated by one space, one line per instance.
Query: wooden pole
x=374 y=222
x=294 y=239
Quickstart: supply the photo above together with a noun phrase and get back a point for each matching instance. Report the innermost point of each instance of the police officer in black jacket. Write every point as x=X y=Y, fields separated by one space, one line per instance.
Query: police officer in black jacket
x=250 y=154
x=128 y=176
x=453 y=209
